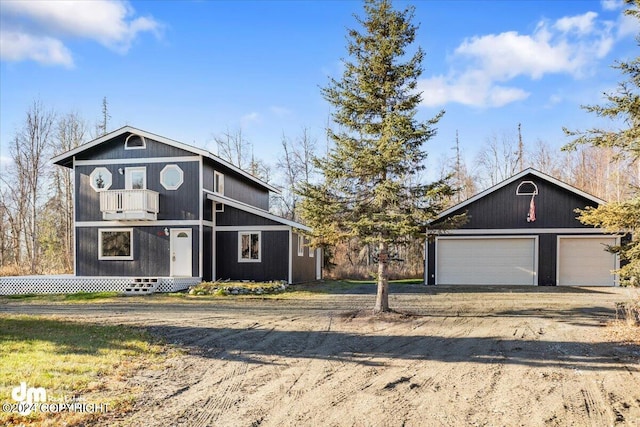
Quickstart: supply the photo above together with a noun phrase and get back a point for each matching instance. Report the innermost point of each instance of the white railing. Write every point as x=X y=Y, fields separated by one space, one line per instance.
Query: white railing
x=123 y=202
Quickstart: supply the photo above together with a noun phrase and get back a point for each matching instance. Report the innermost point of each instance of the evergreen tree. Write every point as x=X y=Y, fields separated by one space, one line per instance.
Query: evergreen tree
x=370 y=187
x=623 y=105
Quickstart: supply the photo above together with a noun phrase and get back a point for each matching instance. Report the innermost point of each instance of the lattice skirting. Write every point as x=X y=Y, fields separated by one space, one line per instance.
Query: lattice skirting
x=20 y=285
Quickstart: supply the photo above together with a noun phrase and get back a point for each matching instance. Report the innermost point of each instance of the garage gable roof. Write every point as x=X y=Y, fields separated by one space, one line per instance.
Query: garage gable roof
x=65 y=159
x=528 y=171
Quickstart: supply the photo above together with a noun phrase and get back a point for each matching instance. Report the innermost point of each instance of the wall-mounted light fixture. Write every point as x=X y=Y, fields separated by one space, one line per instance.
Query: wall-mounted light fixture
x=121 y=171
x=166 y=231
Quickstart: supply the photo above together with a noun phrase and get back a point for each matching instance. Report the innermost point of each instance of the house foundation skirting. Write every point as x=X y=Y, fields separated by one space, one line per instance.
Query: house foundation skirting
x=20 y=285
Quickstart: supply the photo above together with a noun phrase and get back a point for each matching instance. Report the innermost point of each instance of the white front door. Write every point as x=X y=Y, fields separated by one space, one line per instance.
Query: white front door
x=180 y=252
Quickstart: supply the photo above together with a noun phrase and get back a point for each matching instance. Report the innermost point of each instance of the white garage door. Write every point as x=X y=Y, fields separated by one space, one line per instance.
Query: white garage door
x=486 y=261
x=583 y=261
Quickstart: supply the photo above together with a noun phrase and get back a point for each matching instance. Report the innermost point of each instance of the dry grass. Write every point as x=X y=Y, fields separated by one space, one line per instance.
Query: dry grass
x=73 y=362
x=626 y=327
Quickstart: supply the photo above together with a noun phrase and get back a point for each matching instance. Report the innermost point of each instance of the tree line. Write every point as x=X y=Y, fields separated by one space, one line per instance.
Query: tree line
x=366 y=194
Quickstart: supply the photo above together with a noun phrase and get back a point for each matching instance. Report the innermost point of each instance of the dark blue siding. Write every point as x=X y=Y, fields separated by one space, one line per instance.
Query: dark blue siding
x=114 y=149
x=150 y=253
x=180 y=204
x=275 y=257
x=555 y=208
x=236 y=186
x=233 y=216
x=304 y=267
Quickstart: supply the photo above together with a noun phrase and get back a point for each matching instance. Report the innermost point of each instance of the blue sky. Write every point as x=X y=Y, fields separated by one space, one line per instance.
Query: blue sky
x=190 y=70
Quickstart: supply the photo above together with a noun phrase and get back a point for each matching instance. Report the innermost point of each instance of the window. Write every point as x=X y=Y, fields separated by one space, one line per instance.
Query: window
x=100 y=179
x=218 y=183
x=115 y=244
x=249 y=246
x=135 y=142
x=171 y=177
x=312 y=252
x=135 y=178
x=300 y=245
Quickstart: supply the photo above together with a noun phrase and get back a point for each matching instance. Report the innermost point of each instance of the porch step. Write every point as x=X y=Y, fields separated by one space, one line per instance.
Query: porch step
x=142 y=286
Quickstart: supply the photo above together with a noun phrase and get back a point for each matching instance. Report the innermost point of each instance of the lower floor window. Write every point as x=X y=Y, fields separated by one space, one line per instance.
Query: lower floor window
x=115 y=244
x=249 y=246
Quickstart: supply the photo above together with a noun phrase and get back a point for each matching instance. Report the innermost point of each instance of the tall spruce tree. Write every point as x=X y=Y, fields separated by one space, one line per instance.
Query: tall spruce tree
x=623 y=106
x=371 y=185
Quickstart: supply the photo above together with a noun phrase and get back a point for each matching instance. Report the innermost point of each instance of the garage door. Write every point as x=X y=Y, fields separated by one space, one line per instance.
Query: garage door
x=486 y=261
x=583 y=261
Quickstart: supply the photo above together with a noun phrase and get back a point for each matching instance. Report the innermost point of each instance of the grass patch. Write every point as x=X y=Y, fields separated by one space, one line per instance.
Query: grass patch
x=72 y=298
x=70 y=360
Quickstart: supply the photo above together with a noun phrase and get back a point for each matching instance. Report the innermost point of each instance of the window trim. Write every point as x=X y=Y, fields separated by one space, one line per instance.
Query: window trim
x=220 y=187
x=108 y=182
x=115 y=258
x=165 y=170
x=249 y=233
x=300 y=245
x=127 y=180
x=144 y=142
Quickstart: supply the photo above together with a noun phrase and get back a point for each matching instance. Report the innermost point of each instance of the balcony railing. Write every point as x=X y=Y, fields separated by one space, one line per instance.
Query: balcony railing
x=129 y=204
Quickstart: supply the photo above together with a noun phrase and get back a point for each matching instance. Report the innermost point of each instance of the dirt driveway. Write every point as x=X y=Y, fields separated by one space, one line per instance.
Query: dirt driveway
x=463 y=357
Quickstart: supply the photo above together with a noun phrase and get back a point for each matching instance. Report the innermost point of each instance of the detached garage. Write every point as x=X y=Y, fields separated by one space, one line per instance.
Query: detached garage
x=522 y=231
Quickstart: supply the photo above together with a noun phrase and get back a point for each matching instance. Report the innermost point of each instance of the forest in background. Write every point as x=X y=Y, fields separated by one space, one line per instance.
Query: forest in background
x=36 y=207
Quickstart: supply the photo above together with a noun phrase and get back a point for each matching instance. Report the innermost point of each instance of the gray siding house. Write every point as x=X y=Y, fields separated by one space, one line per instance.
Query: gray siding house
x=522 y=231
x=147 y=206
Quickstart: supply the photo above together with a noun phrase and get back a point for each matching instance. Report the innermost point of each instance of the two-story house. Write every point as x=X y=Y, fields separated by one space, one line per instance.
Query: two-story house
x=150 y=207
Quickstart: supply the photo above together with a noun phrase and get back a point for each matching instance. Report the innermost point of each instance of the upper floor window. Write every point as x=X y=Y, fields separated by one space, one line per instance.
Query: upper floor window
x=135 y=142
x=171 y=177
x=135 y=178
x=100 y=179
x=218 y=183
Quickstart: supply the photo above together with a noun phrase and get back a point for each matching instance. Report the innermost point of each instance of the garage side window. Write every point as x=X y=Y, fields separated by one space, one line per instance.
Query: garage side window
x=115 y=244
x=249 y=246
x=300 y=245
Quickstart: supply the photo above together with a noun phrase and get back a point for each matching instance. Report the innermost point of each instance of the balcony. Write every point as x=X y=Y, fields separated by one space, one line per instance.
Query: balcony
x=129 y=205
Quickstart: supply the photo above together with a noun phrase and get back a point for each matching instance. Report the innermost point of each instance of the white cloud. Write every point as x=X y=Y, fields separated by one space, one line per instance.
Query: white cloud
x=111 y=23
x=16 y=46
x=581 y=24
x=611 y=5
x=570 y=45
x=472 y=89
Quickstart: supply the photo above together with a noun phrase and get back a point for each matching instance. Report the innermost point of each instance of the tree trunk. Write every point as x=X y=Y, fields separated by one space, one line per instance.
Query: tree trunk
x=382 y=297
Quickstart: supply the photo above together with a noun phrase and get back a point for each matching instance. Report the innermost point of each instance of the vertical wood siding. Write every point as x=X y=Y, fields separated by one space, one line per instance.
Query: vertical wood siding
x=150 y=254
x=503 y=209
x=304 y=267
x=275 y=257
x=114 y=149
x=233 y=216
x=180 y=204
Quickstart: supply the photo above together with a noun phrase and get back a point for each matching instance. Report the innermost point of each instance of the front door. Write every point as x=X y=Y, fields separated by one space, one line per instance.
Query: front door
x=181 y=252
